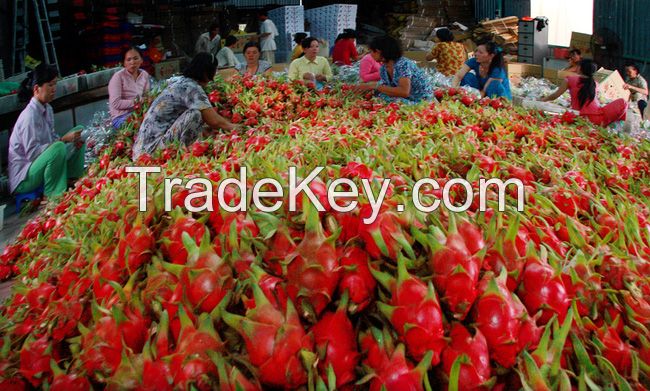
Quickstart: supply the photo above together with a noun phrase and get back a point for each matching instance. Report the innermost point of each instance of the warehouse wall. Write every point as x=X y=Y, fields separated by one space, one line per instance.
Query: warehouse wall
x=629 y=20
x=5 y=35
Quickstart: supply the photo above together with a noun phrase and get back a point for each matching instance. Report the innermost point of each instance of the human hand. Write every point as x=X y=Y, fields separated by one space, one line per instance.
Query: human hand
x=308 y=76
x=321 y=78
x=626 y=86
x=71 y=137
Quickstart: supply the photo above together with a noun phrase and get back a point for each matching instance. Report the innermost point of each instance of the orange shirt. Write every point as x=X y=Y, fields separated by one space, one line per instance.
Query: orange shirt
x=450 y=56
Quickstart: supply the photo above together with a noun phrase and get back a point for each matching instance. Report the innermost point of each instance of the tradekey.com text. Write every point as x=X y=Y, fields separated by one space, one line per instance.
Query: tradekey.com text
x=268 y=194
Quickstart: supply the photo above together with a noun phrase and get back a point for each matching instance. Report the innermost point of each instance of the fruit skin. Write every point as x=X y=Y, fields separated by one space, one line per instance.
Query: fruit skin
x=273 y=341
x=414 y=312
x=503 y=320
x=335 y=339
x=473 y=351
x=356 y=278
x=389 y=366
x=541 y=289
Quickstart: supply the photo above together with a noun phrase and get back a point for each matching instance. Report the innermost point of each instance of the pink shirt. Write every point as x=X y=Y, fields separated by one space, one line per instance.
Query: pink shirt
x=123 y=89
x=369 y=69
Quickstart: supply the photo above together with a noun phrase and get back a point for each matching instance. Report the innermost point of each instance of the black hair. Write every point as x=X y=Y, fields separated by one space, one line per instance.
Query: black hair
x=306 y=43
x=213 y=26
x=230 y=40
x=587 y=91
x=340 y=37
x=252 y=44
x=263 y=13
x=42 y=74
x=202 y=68
x=497 y=60
x=575 y=51
x=633 y=66
x=128 y=49
x=389 y=47
x=444 y=35
x=298 y=37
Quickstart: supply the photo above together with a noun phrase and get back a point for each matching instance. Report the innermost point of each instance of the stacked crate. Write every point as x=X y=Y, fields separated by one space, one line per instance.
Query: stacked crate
x=329 y=21
x=289 y=21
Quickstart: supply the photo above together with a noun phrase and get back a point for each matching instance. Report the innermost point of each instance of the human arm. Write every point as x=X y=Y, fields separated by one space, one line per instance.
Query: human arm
x=563 y=87
x=367 y=71
x=294 y=71
x=433 y=55
x=115 y=98
x=216 y=121
x=354 y=54
x=327 y=71
x=642 y=91
x=459 y=75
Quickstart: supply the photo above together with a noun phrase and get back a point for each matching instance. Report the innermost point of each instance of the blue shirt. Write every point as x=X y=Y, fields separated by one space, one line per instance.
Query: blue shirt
x=498 y=73
x=421 y=88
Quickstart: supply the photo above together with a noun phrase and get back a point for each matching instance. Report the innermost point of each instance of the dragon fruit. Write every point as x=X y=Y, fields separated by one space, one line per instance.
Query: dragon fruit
x=390 y=369
x=336 y=343
x=172 y=238
x=541 y=289
x=503 y=320
x=313 y=271
x=473 y=355
x=273 y=341
x=356 y=278
x=414 y=312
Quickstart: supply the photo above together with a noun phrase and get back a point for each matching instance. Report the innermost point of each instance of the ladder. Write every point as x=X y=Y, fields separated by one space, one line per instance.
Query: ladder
x=21 y=34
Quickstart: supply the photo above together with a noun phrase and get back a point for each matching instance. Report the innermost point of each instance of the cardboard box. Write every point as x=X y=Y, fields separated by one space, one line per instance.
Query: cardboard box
x=167 y=68
x=517 y=71
x=556 y=76
x=583 y=42
x=610 y=84
x=242 y=39
x=416 y=55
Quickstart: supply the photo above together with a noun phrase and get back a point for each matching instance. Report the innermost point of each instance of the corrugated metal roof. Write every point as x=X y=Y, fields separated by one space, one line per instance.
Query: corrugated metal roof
x=630 y=21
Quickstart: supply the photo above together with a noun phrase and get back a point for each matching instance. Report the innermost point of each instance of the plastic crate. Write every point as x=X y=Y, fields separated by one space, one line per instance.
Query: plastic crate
x=98 y=79
x=8 y=103
x=67 y=86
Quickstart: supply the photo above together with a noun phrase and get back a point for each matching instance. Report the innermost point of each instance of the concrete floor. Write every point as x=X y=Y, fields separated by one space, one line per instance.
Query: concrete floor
x=13 y=224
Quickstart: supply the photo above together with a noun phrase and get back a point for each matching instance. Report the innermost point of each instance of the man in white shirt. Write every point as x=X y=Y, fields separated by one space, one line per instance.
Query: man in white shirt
x=226 y=57
x=209 y=42
x=268 y=32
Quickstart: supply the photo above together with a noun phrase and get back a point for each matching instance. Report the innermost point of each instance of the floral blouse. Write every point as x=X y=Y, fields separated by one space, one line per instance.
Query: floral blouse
x=421 y=88
x=180 y=95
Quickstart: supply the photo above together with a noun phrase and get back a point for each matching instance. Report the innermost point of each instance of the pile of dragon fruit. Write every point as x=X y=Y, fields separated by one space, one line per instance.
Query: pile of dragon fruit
x=552 y=297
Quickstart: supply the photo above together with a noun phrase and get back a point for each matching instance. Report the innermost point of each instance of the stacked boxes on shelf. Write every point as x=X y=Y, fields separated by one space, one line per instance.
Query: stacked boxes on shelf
x=329 y=21
x=288 y=20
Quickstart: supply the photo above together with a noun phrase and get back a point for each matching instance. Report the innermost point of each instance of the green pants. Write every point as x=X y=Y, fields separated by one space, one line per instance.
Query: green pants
x=52 y=169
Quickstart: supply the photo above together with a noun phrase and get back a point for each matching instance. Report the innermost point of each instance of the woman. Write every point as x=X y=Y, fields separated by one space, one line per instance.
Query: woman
x=126 y=86
x=182 y=111
x=449 y=55
x=226 y=57
x=369 y=69
x=253 y=64
x=489 y=73
x=345 y=49
x=637 y=85
x=575 y=56
x=297 y=51
x=582 y=89
x=311 y=67
x=400 y=78
x=37 y=155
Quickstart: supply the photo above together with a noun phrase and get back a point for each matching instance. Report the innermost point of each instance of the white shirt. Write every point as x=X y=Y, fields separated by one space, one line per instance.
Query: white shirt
x=268 y=43
x=205 y=45
x=226 y=58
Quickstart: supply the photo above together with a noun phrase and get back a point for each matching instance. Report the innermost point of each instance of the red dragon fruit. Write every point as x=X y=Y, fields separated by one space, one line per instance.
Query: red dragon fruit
x=503 y=320
x=390 y=369
x=336 y=343
x=473 y=355
x=313 y=271
x=172 y=238
x=136 y=247
x=542 y=289
x=414 y=311
x=230 y=378
x=384 y=236
x=455 y=271
x=356 y=278
x=273 y=341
